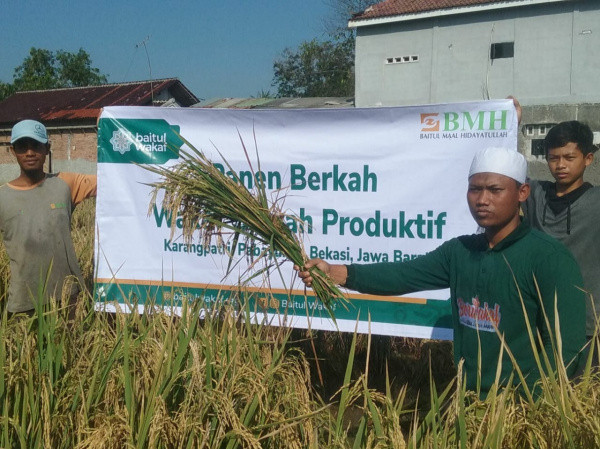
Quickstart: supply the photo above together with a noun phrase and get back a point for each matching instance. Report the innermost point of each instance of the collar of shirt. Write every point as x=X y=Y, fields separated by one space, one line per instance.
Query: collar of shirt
x=521 y=231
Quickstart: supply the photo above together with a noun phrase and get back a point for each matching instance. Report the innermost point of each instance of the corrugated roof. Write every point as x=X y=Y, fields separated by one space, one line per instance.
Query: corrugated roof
x=231 y=103
x=277 y=103
x=312 y=102
x=84 y=103
x=390 y=8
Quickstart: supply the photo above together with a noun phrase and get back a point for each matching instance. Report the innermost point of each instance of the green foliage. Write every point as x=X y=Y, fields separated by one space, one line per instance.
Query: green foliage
x=316 y=69
x=6 y=90
x=38 y=71
x=45 y=69
x=322 y=68
x=75 y=69
x=263 y=94
x=341 y=11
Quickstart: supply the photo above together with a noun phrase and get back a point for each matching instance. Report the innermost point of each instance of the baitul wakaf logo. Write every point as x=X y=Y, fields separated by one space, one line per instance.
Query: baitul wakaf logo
x=120 y=142
x=142 y=141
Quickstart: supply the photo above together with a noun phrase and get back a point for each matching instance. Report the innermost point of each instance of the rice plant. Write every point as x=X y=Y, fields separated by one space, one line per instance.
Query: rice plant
x=147 y=378
x=211 y=203
x=151 y=380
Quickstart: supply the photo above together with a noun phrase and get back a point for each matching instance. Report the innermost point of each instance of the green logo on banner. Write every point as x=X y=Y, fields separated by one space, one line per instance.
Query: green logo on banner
x=143 y=141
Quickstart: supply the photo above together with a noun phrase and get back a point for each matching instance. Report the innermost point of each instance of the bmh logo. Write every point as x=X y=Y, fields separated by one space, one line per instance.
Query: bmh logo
x=120 y=142
x=431 y=122
x=465 y=125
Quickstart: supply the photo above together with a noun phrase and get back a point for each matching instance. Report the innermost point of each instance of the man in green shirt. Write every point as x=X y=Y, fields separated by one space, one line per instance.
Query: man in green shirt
x=501 y=281
x=35 y=220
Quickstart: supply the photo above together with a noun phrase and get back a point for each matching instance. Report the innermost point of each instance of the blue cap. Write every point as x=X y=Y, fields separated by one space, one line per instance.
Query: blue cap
x=29 y=128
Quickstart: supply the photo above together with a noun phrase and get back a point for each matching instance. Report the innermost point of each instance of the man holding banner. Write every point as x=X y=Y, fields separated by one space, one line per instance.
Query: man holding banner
x=503 y=282
x=567 y=209
x=35 y=220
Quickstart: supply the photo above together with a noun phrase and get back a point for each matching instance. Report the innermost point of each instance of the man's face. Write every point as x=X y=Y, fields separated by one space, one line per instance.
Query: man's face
x=30 y=154
x=567 y=165
x=494 y=199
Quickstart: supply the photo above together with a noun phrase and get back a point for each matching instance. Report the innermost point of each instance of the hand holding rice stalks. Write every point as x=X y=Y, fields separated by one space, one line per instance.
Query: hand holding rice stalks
x=208 y=202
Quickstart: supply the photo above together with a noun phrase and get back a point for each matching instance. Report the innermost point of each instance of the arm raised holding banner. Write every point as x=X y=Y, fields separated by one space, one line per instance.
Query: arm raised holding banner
x=35 y=218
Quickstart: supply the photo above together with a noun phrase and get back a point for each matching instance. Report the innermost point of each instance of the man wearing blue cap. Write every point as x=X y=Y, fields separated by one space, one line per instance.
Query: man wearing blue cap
x=501 y=281
x=35 y=220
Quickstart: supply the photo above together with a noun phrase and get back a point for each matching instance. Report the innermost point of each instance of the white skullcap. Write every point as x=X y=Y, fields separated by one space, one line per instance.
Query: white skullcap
x=503 y=161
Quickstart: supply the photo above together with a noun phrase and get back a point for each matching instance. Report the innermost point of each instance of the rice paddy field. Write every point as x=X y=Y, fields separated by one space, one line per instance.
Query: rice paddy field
x=152 y=380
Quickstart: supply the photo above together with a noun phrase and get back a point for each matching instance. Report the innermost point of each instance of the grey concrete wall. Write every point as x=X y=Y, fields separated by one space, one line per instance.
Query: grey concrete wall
x=556 y=57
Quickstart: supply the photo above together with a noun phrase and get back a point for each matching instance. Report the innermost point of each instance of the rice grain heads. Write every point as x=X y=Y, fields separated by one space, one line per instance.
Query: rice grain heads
x=213 y=205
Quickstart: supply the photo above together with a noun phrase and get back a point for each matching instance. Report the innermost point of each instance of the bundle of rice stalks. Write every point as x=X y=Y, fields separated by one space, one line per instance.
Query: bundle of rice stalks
x=211 y=204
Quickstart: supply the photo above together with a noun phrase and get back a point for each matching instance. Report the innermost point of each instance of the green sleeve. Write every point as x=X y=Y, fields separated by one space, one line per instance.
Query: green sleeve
x=560 y=283
x=428 y=272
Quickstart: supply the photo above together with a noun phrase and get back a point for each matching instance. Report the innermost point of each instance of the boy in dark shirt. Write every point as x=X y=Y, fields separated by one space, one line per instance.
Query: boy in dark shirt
x=569 y=208
x=501 y=281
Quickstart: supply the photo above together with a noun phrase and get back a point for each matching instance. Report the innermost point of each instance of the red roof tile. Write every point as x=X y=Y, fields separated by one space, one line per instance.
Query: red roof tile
x=389 y=8
x=79 y=104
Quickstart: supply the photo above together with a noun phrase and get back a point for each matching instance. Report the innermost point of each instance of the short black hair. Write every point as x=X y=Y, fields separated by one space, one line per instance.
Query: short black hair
x=571 y=131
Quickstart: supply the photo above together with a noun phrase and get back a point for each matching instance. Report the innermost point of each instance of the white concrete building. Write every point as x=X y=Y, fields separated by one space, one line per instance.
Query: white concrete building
x=544 y=52
x=437 y=51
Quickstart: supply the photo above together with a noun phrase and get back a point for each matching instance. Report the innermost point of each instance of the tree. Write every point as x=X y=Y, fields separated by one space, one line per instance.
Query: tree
x=6 y=90
x=44 y=69
x=324 y=69
x=38 y=71
x=75 y=69
x=316 y=69
x=341 y=11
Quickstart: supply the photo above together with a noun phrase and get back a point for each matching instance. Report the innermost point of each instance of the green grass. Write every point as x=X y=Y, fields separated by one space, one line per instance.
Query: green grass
x=147 y=379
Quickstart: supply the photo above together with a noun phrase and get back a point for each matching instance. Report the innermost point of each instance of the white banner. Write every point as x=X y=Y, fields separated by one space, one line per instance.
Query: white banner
x=371 y=185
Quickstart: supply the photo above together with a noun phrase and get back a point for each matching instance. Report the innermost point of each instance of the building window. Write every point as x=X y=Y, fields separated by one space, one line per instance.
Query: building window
x=529 y=130
x=502 y=50
x=537 y=130
x=402 y=59
x=537 y=147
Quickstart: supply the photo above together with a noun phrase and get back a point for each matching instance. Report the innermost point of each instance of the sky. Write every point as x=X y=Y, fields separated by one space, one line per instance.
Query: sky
x=216 y=48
